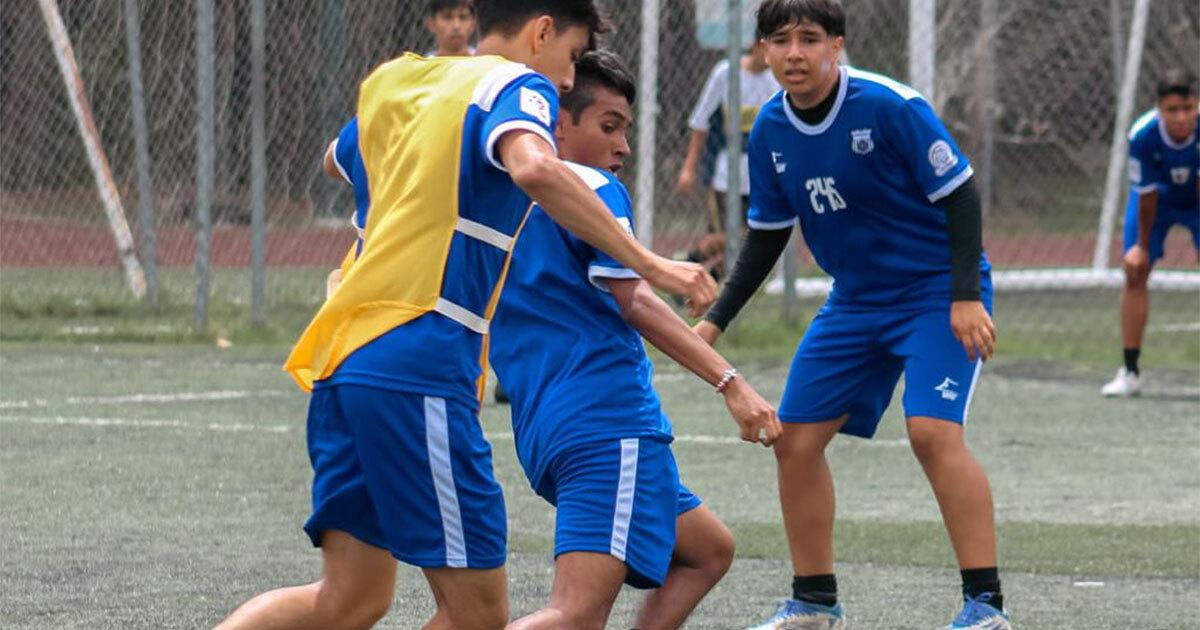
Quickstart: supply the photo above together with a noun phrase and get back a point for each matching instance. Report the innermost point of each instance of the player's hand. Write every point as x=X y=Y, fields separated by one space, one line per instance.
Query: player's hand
x=332 y=282
x=687 y=180
x=707 y=331
x=974 y=328
x=684 y=278
x=754 y=416
x=1137 y=263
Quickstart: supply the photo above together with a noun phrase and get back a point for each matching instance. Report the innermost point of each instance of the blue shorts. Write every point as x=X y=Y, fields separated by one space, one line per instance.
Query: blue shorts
x=405 y=472
x=850 y=361
x=1164 y=219
x=622 y=498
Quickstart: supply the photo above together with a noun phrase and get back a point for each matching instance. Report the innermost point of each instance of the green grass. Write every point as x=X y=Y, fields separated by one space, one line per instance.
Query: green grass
x=92 y=306
x=128 y=513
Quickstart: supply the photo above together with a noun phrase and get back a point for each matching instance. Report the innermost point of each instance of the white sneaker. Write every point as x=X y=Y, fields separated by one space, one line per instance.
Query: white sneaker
x=1125 y=384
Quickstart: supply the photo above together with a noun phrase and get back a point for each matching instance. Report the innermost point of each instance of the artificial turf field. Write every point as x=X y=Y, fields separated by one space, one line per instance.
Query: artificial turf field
x=158 y=486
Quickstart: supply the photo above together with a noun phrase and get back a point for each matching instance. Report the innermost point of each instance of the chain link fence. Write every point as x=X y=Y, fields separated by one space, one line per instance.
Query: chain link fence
x=1027 y=87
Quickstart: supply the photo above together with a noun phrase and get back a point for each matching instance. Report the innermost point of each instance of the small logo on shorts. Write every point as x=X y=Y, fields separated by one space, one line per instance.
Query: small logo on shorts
x=947 y=392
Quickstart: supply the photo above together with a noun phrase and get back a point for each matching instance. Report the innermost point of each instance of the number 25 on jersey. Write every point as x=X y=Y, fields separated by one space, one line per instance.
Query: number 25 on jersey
x=824 y=187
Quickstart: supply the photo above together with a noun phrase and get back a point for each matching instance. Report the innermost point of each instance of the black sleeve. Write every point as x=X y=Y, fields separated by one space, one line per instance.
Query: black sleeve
x=964 y=226
x=757 y=257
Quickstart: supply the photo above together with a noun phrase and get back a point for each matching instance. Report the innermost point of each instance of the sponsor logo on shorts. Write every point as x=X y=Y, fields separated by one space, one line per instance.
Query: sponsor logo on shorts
x=946 y=388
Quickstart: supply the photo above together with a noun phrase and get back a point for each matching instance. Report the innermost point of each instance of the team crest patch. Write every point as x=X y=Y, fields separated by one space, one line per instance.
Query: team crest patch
x=1179 y=176
x=1135 y=171
x=535 y=105
x=942 y=157
x=861 y=142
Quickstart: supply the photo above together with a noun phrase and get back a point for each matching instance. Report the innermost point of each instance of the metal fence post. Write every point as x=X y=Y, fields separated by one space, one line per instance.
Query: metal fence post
x=647 y=122
x=258 y=159
x=133 y=39
x=205 y=162
x=733 y=134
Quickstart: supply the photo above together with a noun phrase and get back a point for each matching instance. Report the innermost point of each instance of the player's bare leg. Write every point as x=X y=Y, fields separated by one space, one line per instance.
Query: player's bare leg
x=441 y=618
x=469 y=598
x=355 y=591
x=703 y=552
x=1135 y=306
x=806 y=493
x=585 y=586
x=961 y=488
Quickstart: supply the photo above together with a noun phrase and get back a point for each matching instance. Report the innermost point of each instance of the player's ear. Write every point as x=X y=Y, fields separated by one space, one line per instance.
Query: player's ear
x=543 y=32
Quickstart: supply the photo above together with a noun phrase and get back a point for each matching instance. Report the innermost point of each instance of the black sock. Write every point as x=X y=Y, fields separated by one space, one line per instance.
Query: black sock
x=976 y=582
x=815 y=589
x=1131 y=359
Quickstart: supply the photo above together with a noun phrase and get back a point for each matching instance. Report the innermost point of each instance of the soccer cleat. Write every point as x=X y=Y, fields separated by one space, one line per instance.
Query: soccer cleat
x=797 y=615
x=1125 y=384
x=979 y=614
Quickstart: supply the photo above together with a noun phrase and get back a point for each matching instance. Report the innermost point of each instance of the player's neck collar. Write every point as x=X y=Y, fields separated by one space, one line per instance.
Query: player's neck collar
x=1169 y=141
x=823 y=126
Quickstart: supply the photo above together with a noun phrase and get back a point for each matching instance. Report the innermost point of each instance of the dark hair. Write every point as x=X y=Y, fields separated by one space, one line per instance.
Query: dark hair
x=776 y=14
x=437 y=6
x=597 y=68
x=1179 y=81
x=508 y=16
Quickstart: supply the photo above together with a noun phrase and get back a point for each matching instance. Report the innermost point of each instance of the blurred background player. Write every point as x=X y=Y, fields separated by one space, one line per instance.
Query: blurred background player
x=1164 y=191
x=401 y=467
x=757 y=85
x=887 y=205
x=452 y=23
x=589 y=428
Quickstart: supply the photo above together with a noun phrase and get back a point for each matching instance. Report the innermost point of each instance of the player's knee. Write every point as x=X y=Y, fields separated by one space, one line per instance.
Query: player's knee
x=934 y=439
x=356 y=611
x=487 y=615
x=721 y=550
x=1136 y=279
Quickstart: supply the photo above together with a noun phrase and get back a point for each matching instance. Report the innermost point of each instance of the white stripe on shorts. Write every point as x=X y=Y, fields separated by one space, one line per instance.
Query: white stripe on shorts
x=437 y=441
x=971 y=390
x=625 y=490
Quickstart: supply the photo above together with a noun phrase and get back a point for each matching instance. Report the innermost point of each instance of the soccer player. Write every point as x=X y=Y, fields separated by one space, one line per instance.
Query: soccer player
x=757 y=85
x=886 y=203
x=454 y=151
x=452 y=23
x=590 y=431
x=1164 y=160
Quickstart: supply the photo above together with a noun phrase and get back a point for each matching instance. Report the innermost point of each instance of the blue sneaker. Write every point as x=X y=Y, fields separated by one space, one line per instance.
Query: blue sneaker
x=980 y=614
x=797 y=615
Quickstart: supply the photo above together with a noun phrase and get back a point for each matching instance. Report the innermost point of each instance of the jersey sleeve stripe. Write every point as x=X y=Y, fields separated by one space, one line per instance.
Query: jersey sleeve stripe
x=1148 y=188
x=590 y=176
x=337 y=163
x=513 y=125
x=770 y=225
x=597 y=274
x=493 y=83
x=951 y=185
x=461 y=315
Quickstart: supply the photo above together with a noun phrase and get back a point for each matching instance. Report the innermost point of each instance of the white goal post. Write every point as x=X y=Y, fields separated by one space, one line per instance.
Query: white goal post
x=105 y=184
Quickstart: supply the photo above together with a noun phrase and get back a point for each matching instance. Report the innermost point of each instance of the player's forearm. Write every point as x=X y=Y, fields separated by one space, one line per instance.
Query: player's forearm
x=757 y=257
x=329 y=163
x=964 y=230
x=1147 y=209
x=663 y=328
x=695 y=149
x=577 y=209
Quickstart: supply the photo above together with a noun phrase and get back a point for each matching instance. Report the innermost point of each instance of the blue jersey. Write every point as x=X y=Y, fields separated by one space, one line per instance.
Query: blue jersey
x=863 y=184
x=574 y=369
x=349 y=162
x=433 y=354
x=1159 y=163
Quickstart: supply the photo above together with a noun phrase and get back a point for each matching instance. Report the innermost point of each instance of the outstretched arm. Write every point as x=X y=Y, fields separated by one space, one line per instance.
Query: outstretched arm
x=535 y=168
x=655 y=320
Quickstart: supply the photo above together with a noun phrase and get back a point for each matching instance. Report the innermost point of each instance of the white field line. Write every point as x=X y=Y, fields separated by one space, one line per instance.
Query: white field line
x=145 y=424
x=143 y=398
x=283 y=428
